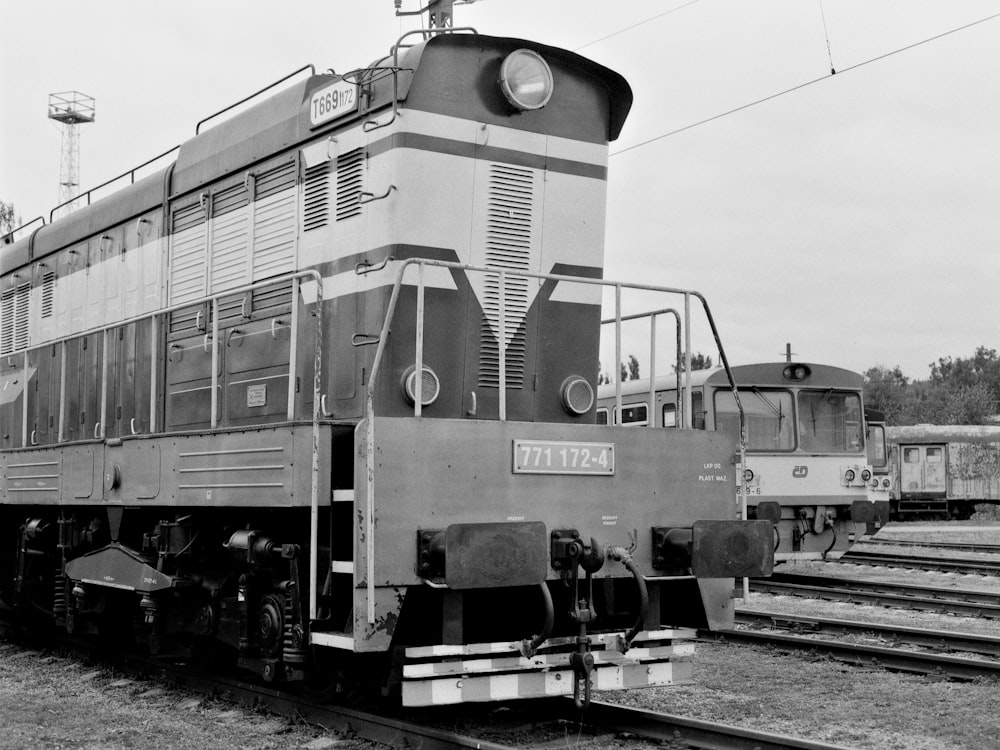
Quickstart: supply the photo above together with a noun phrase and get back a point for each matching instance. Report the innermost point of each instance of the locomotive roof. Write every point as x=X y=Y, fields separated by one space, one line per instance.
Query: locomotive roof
x=764 y=374
x=281 y=121
x=930 y=433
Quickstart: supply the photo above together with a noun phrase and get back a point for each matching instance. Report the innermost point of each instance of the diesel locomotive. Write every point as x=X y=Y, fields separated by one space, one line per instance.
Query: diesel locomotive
x=317 y=396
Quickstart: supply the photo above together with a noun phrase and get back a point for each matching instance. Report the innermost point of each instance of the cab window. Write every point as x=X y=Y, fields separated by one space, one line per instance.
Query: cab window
x=934 y=455
x=830 y=421
x=876 y=446
x=768 y=415
x=911 y=455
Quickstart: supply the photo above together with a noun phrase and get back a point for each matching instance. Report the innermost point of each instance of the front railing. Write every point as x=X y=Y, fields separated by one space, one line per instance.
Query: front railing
x=502 y=275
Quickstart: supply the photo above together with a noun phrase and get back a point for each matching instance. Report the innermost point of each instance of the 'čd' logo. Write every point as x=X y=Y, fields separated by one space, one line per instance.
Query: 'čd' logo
x=800 y=472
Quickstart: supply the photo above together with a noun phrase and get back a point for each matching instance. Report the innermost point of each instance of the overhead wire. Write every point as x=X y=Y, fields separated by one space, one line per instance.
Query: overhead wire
x=797 y=87
x=636 y=25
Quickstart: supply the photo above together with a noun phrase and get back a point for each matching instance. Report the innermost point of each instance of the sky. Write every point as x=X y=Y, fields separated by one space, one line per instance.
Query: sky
x=856 y=217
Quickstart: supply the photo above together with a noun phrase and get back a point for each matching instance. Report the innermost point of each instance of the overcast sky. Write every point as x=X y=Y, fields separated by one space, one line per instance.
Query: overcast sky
x=857 y=217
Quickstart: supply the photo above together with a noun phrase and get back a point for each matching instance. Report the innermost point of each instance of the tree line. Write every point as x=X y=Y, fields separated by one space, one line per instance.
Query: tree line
x=963 y=390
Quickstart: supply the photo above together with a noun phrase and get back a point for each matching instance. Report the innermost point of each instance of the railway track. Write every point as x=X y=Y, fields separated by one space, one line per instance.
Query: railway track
x=919 y=562
x=906 y=596
x=895 y=649
x=944 y=546
x=482 y=726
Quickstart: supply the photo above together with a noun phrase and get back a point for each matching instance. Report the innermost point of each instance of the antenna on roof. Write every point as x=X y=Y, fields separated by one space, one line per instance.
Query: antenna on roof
x=440 y=11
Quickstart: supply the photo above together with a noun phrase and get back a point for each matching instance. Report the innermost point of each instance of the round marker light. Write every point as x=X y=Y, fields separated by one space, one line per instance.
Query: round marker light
x=577 y=395
x=849 y=475
x=748 y=475
x=886 y=482
x=430 y=386
x=526 y=79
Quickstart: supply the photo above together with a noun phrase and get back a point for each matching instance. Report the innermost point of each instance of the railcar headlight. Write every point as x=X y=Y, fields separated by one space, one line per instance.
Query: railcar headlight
x=430 y=386
x=849 y=475
x=526 y=79
x=796 y=372
x=577 y=395
x=866 y=474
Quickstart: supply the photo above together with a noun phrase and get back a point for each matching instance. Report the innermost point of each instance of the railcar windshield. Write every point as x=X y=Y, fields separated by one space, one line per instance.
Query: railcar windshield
x=768 y=414
x=830 y=421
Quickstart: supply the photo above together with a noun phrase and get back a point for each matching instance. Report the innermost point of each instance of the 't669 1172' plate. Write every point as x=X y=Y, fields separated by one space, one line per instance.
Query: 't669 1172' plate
x=559 y=457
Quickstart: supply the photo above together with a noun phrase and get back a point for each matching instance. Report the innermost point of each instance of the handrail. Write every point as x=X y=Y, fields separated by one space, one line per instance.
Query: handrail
x=310 y=67
x=130 y=173
x=8 y=237
x=502 y=274
x=682 y=410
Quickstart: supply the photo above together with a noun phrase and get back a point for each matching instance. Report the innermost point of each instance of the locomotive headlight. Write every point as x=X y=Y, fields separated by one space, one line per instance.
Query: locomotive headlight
x=577 y=395
x=430 y=386
x=526 y=79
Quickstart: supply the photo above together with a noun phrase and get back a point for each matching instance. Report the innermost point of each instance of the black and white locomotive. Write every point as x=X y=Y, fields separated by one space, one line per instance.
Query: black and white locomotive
x=319 y=395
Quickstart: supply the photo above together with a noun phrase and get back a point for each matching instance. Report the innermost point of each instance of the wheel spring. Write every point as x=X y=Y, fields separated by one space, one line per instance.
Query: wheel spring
x=293 y=646
x=60 y=597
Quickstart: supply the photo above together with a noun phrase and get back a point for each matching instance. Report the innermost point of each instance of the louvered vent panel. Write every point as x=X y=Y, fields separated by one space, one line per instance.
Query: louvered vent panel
x=350 y=173
x=14 y=319
x=509 y=227
x=316 y=201
x=231 y=308
x=274 y=219
x=187 y=254
x=48 y=294
x=187 y=320
x=272 y=297
x=230 y=238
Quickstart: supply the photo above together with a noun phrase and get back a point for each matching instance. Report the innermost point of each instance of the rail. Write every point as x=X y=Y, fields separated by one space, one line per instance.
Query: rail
x=502 y=275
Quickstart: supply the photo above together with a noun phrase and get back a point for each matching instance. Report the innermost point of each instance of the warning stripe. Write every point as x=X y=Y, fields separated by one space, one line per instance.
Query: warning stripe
x=445 y=691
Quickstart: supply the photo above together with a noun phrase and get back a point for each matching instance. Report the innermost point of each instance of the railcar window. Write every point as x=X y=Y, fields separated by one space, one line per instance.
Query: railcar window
x=669 y=415
x=768 y=415
x=697 y=410
x=635 y=415
x=934 y=455
x=830 y=421
x=911 y=455
x=876 y=446
x=602 y=416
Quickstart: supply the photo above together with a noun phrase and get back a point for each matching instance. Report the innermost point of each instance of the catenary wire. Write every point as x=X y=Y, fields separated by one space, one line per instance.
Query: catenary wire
x=802 y=86
x=636 y=25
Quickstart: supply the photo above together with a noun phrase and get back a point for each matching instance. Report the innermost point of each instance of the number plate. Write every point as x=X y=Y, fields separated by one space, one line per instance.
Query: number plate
x=334 y=101
x=558 y=457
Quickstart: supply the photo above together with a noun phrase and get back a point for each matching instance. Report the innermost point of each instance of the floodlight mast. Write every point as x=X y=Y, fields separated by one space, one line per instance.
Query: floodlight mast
x=71 y=109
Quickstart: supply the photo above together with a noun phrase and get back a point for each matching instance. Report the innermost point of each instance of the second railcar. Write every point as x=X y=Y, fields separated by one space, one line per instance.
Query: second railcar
x=806 y=471
x=943 y=471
